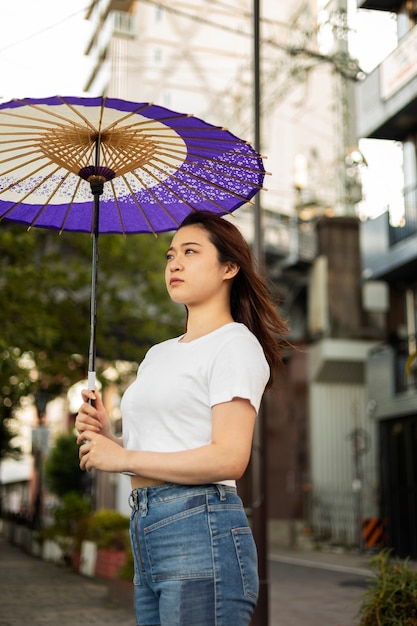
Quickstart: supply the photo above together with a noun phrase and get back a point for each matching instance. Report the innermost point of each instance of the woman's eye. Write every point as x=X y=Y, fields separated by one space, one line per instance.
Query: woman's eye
x=189 y=250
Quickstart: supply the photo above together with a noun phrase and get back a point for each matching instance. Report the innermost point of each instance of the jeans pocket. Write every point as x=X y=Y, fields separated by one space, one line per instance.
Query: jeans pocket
x=179 y=546
x=248 y=560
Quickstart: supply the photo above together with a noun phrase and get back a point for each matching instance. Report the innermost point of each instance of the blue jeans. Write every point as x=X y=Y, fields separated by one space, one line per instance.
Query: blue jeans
x=195 y=557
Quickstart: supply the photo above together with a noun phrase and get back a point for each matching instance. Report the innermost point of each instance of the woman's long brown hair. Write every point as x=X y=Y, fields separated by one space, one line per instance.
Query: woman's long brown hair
x=250 y=299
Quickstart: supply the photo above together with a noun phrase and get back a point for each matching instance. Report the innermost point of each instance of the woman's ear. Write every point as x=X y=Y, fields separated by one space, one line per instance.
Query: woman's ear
x=232 y=268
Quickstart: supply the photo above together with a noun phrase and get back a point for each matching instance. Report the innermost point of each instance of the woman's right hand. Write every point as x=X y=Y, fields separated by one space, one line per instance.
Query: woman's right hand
x=92 y=415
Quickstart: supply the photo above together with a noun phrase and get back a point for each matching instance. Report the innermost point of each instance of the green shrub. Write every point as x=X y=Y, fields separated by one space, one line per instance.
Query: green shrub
x=68 y=528
x=70 y=516
x=391 y=599
x=109 y=529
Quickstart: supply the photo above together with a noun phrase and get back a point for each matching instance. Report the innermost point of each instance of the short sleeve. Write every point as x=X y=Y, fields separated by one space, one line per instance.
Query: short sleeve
x=239 y=370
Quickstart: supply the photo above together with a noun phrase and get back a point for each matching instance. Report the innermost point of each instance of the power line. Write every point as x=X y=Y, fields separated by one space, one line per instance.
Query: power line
x=43 y=30
x=347 y=67
x=206 y=22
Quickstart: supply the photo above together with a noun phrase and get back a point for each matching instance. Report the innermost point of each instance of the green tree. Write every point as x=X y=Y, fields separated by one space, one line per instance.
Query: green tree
x=45 y=284
x=15 y=382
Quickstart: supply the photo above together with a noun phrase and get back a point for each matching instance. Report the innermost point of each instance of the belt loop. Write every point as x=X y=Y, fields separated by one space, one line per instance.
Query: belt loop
x=222 y=491
x=143 y=503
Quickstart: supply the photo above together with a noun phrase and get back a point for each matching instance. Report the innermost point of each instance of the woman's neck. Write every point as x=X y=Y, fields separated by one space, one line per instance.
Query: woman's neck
x=198 y=325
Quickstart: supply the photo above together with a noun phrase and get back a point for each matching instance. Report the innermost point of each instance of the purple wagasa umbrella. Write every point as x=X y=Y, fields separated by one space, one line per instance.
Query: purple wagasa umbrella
x=103 y=165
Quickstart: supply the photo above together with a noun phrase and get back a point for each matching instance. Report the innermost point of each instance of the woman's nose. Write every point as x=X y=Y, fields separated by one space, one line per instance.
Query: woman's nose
x=175 y=265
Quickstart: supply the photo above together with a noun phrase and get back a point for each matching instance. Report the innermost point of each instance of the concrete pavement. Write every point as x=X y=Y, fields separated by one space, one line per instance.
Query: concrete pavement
x=316 y=588
x=40 y=593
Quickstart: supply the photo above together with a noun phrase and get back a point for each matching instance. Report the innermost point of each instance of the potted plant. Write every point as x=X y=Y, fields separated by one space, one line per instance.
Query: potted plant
x=392 y=595
x=62 y=539
x=109 y=530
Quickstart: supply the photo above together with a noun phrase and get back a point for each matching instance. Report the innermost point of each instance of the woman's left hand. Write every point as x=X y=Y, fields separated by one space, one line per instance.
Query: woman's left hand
x=99 y=452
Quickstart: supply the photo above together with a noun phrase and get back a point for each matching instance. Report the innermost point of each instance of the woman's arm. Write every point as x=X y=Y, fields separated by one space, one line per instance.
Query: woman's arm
x=225 y=458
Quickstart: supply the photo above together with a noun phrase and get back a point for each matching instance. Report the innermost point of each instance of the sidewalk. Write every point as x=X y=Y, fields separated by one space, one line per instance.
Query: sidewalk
x=40 y=593
x=337 y=560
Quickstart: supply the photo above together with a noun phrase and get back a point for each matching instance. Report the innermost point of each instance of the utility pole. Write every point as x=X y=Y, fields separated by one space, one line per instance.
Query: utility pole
x=348 y=191
x=258 y=462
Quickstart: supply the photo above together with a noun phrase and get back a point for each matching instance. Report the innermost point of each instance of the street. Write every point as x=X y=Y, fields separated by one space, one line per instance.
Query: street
x=313 y=596
x=301 y=593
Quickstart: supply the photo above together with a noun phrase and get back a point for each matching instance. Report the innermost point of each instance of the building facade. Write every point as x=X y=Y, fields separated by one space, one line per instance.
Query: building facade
x=387 y=109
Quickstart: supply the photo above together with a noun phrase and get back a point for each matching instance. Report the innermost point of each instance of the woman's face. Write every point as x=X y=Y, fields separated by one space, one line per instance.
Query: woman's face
x=193 y=275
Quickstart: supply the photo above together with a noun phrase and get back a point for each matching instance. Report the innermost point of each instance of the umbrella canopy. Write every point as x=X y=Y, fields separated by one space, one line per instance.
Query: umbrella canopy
x=103 y=165
x=158 y=165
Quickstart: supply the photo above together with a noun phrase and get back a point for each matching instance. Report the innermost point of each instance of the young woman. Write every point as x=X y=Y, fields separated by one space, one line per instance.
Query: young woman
x=188 y=422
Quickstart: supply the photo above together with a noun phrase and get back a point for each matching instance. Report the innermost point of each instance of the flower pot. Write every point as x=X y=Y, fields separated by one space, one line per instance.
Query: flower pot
x=109 y=562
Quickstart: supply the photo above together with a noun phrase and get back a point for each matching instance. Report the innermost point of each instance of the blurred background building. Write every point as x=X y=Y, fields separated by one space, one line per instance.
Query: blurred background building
x=387 y=109
x=341 y=419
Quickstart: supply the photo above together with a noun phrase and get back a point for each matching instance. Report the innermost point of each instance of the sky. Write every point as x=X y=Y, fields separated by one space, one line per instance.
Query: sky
x=42 y=45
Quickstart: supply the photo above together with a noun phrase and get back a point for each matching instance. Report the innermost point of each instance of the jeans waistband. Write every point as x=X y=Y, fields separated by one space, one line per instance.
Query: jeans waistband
x=170 y=491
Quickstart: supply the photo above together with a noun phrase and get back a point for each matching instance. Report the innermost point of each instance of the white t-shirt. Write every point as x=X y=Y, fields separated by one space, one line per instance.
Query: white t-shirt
x=168 y=407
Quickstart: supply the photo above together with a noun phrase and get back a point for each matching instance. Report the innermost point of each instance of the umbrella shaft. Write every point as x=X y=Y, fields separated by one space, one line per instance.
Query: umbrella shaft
x=93 y=303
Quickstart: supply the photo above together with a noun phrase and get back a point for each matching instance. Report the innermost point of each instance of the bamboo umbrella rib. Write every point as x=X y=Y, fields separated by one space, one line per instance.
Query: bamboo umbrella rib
x=119 y=212
x=24 y=134
x=98 y=138
x=22 y=149
x=223 y=174
x=70 y=157
x=169 y=146
x=48 y=125
x=200 y=179
x=23 y=198
x=125 y=158
x=216 y=161
x=163 y=183
x=203 y=195
x=155 y=197
x=160 y=131
x=138 y=111
x=17 y=156
x=67 y=212
x=43 y=207
x=161 y=124
x=79 y=114
x=190 y=188
x=203 y=148
x=103 y=104
x=184 y=134
x=145 y=217
x=51 y=113
x=20 y=180
x=198 y=132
